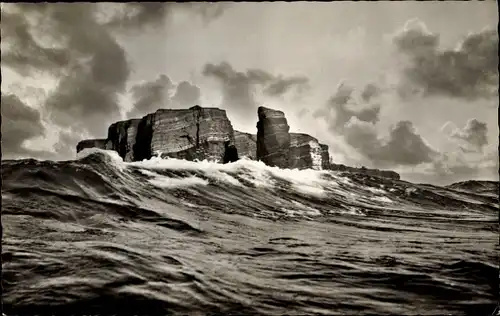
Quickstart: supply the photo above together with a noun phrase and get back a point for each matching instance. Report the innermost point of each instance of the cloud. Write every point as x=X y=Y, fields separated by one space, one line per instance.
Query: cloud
x=65 y=147
x=370 y=91
x=352 y=116
x=456 y=166
x=468 y=72
x=186 y=95
x=240 y=89
x=343 y=106
x=94 y=69
x=402 y=147
x=19 y=123
x=23 y=52
x=162 y=93
x=137 y=16
x=281 y=85
x=474 y=134
x=150 y=96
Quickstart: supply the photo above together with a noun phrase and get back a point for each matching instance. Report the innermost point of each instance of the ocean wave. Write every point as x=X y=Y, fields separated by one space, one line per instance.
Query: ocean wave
x=182 y=237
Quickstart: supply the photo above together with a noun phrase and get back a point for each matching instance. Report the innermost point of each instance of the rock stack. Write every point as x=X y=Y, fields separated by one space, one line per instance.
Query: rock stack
x=206 y=133
x=273 y=138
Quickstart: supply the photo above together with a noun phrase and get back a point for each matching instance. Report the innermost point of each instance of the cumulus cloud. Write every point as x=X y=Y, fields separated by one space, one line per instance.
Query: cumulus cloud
x=91 y=67
x=19 y=123
x=20 y=49
x=343 y=106
x=456 y=166
x=186 y=95
x=468 y=72
x=240 y=88
x=150 y=96
x=352 y=116
x=474 y=135
x=162 y=93
x=404 y=146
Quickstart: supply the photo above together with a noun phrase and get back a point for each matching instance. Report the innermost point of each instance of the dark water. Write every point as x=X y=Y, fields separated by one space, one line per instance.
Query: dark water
x=97 y=236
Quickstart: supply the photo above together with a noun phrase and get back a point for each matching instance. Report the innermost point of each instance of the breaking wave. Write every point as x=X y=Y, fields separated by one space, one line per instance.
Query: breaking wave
x=181 y=237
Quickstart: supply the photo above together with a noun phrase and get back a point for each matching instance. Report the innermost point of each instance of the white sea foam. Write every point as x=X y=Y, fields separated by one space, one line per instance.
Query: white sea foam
x=306 y=181
x=167 y=182
x=115 y=158
x=383 y=199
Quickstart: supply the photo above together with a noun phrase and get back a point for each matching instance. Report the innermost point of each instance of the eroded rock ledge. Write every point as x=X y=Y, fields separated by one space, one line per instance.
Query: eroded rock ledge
x=201 y=133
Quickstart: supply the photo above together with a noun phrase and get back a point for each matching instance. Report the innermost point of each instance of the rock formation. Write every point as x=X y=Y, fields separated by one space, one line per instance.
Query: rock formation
x=307 y=152
x=91 y=143
x=246 y=144
x=122 y=137
x=206 y=133
x=230 y=153
x=325 y=156
x=273 y=138
x=194 y=133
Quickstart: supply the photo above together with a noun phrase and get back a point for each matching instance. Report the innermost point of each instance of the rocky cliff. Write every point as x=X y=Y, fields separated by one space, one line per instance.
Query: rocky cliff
x=246 y=144
x=307 y=152
x=122 y=137
x=206 y=133
x=91 y=143
x=325 y=156
x=371 y=172
x=273 y=138
x=194 y=133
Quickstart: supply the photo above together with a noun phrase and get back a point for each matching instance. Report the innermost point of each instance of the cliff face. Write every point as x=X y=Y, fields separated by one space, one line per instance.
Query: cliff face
x=194 y=133
x=206 y=133
x=246 y=144
x=91 y=143
x=306 y=152
x=122 y=137
x=273 y=138
x=325 y=156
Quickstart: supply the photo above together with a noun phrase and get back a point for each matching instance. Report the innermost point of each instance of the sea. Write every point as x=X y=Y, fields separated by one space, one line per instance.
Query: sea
x=98 y=236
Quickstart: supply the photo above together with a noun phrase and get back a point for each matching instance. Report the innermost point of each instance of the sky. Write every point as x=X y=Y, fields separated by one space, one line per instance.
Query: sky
x=406 y=86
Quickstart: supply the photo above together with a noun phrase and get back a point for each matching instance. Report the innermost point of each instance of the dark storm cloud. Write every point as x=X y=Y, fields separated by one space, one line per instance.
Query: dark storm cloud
x=69 y=42
x=240 y=88
x=403 y=146
x=469 y=72
x=25 y=54
x=151 y=96
x=474 y=134
x=186 y=95
x=162 y=93
x=139 y=15
x=357 y=123
x=341 y=107
x=282 y=85
x=406 y=147
x=91 y=74
x=19 y=123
